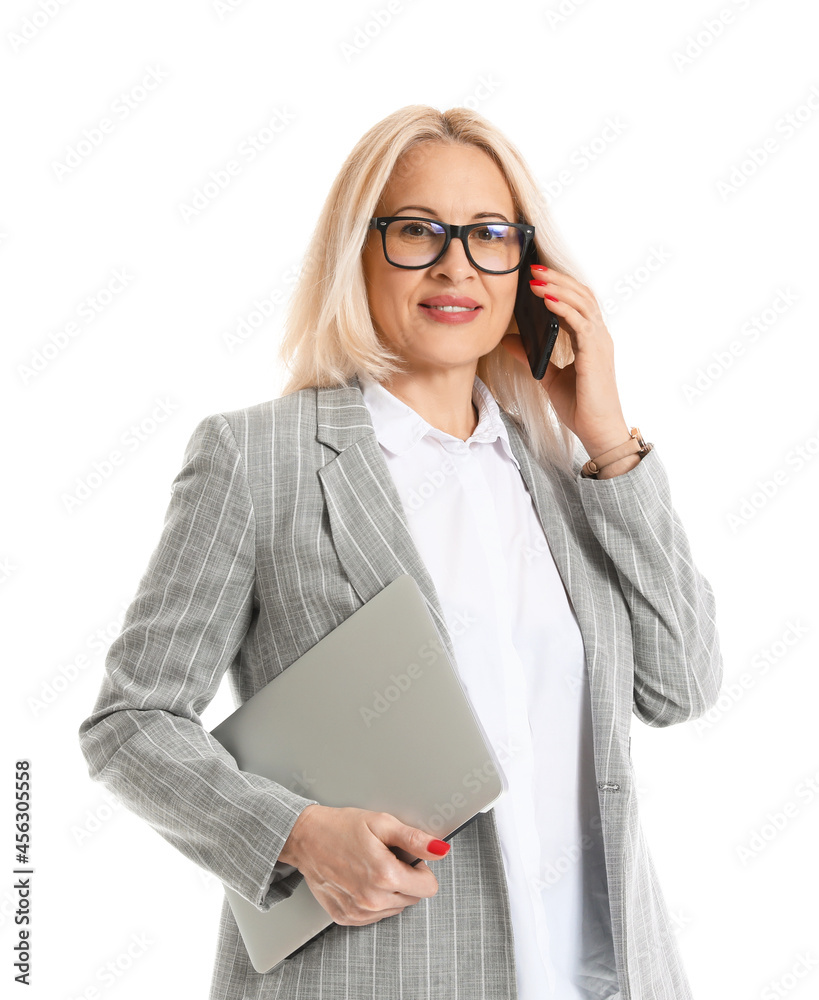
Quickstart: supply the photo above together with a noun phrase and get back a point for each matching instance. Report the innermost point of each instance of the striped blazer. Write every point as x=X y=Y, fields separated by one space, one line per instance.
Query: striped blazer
x=283 y=521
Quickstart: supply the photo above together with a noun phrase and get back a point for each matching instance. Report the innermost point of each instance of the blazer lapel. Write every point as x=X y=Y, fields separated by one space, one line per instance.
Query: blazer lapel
x=561 y=511
x=367 y=519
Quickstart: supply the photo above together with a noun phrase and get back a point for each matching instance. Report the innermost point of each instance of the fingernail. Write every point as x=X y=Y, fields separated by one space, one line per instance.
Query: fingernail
x=538 y=267
x=439 y=847
x=544 y=283
x=551 y=297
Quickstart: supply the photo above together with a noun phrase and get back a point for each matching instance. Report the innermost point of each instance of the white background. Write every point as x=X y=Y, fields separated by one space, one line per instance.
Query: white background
x=741 y=890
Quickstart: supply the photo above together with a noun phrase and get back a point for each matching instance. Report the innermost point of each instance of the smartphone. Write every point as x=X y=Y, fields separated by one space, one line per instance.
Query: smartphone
x=538 y=326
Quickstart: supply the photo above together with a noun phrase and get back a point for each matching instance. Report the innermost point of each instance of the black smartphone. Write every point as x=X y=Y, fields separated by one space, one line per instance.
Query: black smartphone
x=538 y=326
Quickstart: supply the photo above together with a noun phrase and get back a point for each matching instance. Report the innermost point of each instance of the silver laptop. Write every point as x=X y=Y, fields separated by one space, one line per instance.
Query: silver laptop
x=374 y=716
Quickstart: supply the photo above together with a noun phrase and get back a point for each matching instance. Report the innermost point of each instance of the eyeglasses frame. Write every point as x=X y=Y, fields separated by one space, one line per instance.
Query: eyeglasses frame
x=453 y=232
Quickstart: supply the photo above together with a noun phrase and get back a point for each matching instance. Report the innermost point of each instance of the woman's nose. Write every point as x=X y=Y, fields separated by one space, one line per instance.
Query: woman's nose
x=455 y=260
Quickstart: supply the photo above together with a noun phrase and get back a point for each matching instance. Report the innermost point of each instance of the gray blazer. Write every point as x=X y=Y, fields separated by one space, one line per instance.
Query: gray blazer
x=283 y=521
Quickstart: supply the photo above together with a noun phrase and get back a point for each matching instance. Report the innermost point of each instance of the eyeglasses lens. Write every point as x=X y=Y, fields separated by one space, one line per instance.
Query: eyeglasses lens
x=413 y=242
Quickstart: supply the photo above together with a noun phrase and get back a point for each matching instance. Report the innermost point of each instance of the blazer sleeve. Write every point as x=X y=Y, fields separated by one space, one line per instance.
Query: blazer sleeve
x=144 y=739
x=677 y=660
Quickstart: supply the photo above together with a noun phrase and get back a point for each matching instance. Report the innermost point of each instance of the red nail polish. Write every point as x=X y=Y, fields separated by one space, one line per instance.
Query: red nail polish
x=439 y=847
x=539 y=267
x=544 y=283
x=552 y=298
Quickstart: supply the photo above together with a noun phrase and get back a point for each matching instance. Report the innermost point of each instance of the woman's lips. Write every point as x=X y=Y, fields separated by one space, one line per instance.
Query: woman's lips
x=443 y=316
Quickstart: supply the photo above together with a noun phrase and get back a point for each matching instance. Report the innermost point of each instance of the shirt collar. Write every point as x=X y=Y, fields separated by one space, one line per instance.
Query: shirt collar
x=398 y=427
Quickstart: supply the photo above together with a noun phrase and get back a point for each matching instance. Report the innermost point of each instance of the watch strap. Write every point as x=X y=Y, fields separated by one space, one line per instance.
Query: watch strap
x=635 y=445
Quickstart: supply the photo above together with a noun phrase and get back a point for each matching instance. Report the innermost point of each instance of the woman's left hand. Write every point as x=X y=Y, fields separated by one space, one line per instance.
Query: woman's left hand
x=584 y=393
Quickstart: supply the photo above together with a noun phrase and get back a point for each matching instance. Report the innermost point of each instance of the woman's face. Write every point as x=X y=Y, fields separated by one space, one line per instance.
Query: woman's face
x=458 y=185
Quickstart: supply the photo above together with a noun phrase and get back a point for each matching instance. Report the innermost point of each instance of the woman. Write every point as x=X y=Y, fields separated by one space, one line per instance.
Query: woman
x=412 y=438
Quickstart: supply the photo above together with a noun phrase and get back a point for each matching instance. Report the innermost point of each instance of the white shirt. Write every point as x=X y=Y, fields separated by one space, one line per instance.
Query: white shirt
x=520 y=655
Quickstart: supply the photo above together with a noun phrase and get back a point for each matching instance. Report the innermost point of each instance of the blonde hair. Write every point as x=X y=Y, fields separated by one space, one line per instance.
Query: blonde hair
x=328 y=331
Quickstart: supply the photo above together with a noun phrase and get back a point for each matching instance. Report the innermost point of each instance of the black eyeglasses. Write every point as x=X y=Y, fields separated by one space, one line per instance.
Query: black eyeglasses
x=494 y=247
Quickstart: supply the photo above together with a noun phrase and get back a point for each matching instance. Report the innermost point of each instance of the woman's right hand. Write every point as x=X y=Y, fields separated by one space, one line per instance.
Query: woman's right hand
x=344 y=856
